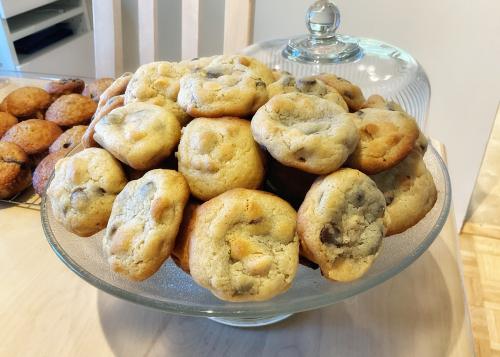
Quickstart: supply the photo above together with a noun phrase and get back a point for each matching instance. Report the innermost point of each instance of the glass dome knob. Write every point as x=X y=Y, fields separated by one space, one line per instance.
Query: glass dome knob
x=323 y=44
x=323 y=19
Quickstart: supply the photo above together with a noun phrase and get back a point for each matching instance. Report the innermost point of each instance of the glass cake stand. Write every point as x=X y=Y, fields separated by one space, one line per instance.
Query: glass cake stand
x=173 y=291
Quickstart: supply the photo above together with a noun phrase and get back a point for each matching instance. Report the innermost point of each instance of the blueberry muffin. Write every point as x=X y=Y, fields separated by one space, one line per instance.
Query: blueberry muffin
x=243 y=245
x=83 y=190
x=27 y=102
x=306 y=132
x=69 y=139
x=140 y=135
x=71 y=109
x=15 y=175
x=409 y=192
x=216 y=155
x=34 y=136
x=341 y=224
x=64 y=86
x=144 y=222
x=95 y=89
x=44 y=170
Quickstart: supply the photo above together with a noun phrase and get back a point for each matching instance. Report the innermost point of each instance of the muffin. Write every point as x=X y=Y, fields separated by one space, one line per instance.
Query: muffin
x=44 y=170
x=7 y=121
x=216 y=155
x=144 y=223
x=69 y=139
x=94 y=89
x=15 y=175
x=34 y=136
x=71 y=109
x=27 y=102
x=83 y=190
x=64 y=86
x=243 y=245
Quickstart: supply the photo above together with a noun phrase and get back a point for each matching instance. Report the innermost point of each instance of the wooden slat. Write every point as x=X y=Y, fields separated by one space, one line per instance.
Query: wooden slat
x=190 y=28
x=148 y=30
x=108 y=45
x=238 y=24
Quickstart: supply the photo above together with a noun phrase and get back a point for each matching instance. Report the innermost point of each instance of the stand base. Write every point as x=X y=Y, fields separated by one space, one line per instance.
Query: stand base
x=250 y=321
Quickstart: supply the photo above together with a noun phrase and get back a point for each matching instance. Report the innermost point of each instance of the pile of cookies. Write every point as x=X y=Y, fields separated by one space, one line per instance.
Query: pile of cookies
x=40 y=126
x=235 y=170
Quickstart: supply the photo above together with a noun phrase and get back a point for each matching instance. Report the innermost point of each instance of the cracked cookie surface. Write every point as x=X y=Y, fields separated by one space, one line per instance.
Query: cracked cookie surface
x=216 y=155
x=144 y=223
x=306 y=132
x=158 y=83
x=228 y=86
x=83 y=190
x=243 y=245
x=341 y=224
x=409 y=192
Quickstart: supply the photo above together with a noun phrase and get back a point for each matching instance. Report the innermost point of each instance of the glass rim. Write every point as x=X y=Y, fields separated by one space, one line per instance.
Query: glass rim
x=298 y=305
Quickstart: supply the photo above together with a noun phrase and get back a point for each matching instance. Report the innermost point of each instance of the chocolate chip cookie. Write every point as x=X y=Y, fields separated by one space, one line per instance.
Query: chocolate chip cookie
x=341 y=224
x=83 y=190
x=243 y=245
x=144 y=223
x=306 y=132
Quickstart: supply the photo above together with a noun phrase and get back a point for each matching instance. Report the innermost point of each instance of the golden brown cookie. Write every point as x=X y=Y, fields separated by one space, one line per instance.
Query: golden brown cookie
x=83 y=190
x=180 y=253
x=7 y=121
x=15 y=174
x=144 y=223
x=341 y=224
x=27 y=102
x=112 y=103
x=34 y=136
x=94 y=89
x=243 y=245
x=386 y=137
x=216 y=155
x=71 y=109
x=69 y=139
x=306 y=132
x=44 y=170
x=65 y=86
x=409 y=192
x=350 y=92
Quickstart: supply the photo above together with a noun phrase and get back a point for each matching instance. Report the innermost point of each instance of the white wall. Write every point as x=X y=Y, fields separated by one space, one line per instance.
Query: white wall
x=457 y=42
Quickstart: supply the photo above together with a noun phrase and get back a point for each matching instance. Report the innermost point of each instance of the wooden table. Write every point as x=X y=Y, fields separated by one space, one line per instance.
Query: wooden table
x=46 y=310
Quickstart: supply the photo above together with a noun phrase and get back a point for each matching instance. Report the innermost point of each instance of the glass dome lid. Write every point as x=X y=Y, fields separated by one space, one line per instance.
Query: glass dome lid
x=375 y=66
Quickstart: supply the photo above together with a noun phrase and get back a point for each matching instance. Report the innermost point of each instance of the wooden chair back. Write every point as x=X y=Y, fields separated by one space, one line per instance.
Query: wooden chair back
x=108 y=42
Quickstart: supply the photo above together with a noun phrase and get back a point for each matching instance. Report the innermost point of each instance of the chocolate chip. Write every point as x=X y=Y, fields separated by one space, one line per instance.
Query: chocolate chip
x=260 y=83
x=389 y=197
x=307 y=81
x=348 y=95
x=330 y=234
x=78 y=194
x=66 y=145
x=359 y=198
x=214 y=74
x=113 y=229
x=256 y=221
x=360 y=113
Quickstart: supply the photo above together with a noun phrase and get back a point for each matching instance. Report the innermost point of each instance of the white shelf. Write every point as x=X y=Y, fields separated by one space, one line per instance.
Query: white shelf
x=28 y=23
